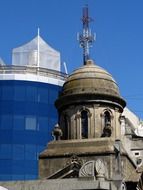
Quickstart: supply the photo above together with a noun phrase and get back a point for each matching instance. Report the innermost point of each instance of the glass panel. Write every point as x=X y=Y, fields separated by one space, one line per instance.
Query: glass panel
x=5 y=166
x=17 y=167
x=19 y=93
x=17 y=177
x=5 y=151
x=5 y=177
x=43 y=95
x=31 y=93
x=30 y=152
x=30 y=123
x=52 y=121
x=6 y=122
x=18 y=122
x=43 y=123
x=31 y=167
x=40 y=148
x=30 y=177
x=53 y=94
x=7 y=92
x=18 y=152
x=1 y=91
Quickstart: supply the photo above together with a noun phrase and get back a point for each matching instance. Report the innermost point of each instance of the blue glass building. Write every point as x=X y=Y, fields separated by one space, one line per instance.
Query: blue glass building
x=28 y=89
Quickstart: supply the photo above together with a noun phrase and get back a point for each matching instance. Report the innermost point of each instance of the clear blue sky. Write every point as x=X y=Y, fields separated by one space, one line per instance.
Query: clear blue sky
x=118 y=25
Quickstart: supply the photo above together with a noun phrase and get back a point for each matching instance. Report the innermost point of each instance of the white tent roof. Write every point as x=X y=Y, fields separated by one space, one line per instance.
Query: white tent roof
x=36 y=53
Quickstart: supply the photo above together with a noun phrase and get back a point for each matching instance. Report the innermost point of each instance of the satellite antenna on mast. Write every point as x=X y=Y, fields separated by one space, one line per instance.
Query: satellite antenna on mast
x=86 y=38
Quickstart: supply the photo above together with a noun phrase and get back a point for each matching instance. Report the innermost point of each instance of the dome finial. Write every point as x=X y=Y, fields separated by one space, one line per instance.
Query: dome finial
x=86 y=38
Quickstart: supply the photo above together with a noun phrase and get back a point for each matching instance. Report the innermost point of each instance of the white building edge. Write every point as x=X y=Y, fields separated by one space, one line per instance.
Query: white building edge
x=132 y=136
x=133 y=121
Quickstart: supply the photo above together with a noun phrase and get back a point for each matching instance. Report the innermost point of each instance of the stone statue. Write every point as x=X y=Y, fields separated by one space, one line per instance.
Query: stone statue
x=107 y=131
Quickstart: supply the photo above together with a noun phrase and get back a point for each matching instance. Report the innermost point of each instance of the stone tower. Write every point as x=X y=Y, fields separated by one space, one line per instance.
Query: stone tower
x=90 y=104
x=89 y=109
x=87 y=139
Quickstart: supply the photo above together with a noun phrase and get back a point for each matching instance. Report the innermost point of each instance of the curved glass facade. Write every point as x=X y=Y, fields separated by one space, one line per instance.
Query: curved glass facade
x=27 y=116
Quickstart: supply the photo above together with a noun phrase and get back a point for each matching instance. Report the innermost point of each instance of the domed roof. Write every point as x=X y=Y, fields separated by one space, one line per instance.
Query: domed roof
x=90 y=83
x=90 y=78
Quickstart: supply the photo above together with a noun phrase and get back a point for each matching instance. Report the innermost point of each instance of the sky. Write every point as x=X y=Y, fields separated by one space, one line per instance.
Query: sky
x=118 y=25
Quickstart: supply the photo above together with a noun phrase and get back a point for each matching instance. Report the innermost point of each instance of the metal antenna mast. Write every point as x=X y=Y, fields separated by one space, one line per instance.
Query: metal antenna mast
x=86 y=38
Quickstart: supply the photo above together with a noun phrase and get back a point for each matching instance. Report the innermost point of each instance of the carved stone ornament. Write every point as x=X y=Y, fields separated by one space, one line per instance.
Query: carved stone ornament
x=100 y=167
x=74 y=159
x=93 y=169
x=88 y=169
x=123 y=186
x=57 y=132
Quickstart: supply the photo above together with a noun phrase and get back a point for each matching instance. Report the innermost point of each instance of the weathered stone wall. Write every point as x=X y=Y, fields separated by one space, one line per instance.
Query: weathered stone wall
x=59 y=184
x=59 y=153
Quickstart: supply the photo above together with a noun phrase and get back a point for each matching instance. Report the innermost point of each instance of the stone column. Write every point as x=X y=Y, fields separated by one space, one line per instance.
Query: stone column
x=123 y=125
x=96 y=122
x=77 y=126
x=117 y=124
x=102 y=123
x=90 y=125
